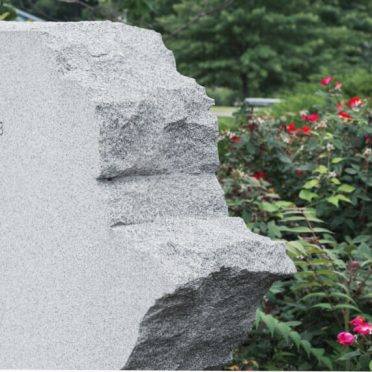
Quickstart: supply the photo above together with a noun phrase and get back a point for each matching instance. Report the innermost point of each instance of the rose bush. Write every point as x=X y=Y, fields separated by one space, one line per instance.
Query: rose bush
x=306 y=179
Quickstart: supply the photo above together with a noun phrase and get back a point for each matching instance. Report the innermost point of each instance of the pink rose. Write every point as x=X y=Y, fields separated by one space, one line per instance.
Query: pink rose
x=345 y=338
x=326 y=80
x=363 y=329
x=357 y=321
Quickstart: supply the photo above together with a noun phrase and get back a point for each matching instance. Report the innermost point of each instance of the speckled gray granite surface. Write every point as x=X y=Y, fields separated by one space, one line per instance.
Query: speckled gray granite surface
x=116 y=248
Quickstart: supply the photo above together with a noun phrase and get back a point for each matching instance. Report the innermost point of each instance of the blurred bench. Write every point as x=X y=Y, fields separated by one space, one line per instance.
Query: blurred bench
x=260 y=102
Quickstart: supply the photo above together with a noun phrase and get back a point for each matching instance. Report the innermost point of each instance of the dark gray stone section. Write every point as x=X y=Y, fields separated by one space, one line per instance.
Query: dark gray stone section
x=198 y=325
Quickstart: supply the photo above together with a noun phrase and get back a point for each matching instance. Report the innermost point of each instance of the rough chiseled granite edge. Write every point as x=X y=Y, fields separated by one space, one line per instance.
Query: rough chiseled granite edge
x=220 y=286
x=196 y=326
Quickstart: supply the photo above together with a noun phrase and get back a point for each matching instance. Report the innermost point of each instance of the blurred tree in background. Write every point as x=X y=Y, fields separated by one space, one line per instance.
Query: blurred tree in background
x=244 y=45
x=251 y=47
x=7 y=13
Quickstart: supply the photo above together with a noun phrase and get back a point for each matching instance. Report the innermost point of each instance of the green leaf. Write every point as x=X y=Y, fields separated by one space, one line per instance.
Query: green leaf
x=346 y=188
x=268 y=207
x=321 y=169
x=350 y=355
x=342 y=295
x=327 y=241
x=293 y=218
x=306 y=346
x=337 y=160
x=312 y=218
x=327 y=362
x=333 y=200
x=3 y=16
x=296 y=229
x=318 y=352
x=311 y=184
x=321 y=229
x=269 y=323
x=347 y=306
x=344 y=198
x=307 y=195
x=296 y=338
x=351 y=171
x=324 y=306
x=283 y=330
x=313 y=295
x=284 y=204
x=273 y=230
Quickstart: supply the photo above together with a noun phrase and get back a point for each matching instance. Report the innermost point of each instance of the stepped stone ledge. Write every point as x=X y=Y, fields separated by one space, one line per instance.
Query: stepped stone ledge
x=117 y=248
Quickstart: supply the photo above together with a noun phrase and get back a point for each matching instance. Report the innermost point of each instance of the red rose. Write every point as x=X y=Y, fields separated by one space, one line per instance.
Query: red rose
x=291 y=127
x=310 y=117
x=326 y=80
x=368 y=139
x=299 y=172
x=235 y=139
x=344 y=114
x=313 y=117
x=356 y=101
x=259 y=175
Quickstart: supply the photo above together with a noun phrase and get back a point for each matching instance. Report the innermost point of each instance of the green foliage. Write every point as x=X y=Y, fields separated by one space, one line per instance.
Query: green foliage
x=291 y=337
x=359 y=82
x=301 y=96
x=222 y=96
x=250 y=47
x=296 y=101
x=334 y=153
x=311 y=189
x=232 y=43
x=52 y=10
x=7 y=12
x=227 y=123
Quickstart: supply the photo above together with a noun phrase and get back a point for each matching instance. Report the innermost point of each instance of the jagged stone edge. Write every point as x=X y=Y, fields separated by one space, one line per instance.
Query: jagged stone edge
x=198 y=325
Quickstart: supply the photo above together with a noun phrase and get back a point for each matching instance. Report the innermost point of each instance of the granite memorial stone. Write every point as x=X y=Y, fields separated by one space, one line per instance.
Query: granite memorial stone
x=116 y=247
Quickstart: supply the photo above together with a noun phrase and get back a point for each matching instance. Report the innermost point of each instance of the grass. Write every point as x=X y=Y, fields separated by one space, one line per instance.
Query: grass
x=225 y=111
x=227 y=123
x=225 y=117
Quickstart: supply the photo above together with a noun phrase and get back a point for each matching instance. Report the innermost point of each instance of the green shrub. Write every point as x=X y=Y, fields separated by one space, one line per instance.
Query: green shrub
x=302 y=95
x=306 y=179
x=360 y=82
x=227 y=123
x=7 y=13
x=222 y=96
